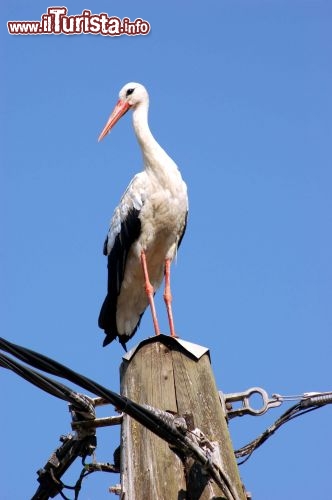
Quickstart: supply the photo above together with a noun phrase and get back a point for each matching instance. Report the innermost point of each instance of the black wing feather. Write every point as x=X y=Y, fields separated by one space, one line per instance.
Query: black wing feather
x=184 y=230
x=129 y=233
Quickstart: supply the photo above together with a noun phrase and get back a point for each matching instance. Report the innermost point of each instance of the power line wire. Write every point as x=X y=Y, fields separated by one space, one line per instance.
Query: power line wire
x=153 y=419
x=309 y=402
x=178 y=439
x=48 y=385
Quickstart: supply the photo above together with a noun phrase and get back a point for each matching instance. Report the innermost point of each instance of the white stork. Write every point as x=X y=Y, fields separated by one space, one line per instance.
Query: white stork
x=145 y=231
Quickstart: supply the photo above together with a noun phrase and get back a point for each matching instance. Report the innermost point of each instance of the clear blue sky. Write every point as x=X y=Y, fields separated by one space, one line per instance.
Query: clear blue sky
x=240 y=96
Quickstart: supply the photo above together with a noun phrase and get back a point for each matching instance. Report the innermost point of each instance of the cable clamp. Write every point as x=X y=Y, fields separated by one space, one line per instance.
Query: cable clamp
x=245 y=398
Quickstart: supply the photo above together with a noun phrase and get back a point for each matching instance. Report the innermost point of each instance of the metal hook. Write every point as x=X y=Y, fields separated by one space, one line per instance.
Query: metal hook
x=244 y=397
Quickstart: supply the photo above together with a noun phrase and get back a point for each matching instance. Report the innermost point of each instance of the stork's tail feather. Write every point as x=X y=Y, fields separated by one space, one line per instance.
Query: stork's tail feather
x=110 y=337
x=123 y=343
x=107 y=322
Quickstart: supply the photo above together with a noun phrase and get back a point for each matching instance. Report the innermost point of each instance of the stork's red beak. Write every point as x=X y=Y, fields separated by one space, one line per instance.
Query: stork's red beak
x=120 y=109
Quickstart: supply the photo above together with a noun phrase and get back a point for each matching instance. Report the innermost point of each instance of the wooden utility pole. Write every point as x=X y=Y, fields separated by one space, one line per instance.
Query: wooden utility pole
x=173 y=376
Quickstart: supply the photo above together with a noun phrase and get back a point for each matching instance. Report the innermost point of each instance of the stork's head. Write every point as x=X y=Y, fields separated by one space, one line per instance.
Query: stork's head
x=133 y=93
x=130 y=96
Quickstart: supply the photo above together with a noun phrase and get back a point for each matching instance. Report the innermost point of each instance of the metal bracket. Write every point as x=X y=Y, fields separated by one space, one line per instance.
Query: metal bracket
x=86 y=424
x=197 y=351
x=246 y=408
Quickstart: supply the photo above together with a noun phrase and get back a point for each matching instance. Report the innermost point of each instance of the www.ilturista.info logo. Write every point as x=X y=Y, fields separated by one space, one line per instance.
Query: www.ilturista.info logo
x=56 y=22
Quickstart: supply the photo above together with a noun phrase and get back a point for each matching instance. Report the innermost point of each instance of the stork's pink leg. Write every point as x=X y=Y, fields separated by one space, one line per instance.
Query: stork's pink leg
x=168 y=296
x=149 y=291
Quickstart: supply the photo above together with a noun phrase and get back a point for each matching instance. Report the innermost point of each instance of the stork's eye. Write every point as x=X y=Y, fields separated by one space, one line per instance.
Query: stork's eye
x=129 y=92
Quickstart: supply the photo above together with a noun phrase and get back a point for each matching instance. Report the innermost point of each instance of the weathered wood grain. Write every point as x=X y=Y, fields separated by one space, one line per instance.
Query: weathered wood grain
x=171 y=379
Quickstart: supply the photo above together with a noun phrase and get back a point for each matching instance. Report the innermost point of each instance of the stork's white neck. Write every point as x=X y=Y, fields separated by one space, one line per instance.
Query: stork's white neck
x=154 y=156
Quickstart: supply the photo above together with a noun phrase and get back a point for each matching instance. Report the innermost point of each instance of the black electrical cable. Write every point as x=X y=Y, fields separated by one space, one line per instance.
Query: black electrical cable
x=293 y=412
x=49 y=476
x=141 y=414
x=144 y=416
x=48 y=385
